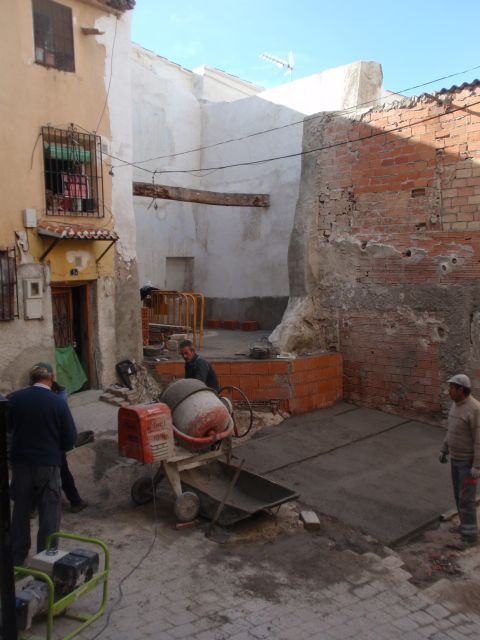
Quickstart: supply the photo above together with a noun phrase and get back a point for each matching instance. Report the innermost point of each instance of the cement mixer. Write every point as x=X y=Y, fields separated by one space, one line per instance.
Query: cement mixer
x=187 y=433
x=200 y=417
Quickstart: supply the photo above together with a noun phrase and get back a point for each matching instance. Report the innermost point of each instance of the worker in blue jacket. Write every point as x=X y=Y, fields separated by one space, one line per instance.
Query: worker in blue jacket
x=197 y=367
x=42 y=429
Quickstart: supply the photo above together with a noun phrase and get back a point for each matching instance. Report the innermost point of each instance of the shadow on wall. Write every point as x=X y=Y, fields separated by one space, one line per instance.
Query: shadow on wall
x=385 y=249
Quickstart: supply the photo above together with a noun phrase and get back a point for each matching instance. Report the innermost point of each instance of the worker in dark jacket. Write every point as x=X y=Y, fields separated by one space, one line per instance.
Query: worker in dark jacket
x=42 y=430
x=197 y=367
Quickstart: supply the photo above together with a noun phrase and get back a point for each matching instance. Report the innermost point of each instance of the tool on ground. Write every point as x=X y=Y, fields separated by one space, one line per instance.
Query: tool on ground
x=187 y=434
x=55 y=579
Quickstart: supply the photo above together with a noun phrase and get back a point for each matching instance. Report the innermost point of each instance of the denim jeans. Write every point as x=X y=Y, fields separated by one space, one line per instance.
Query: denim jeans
x=465 y=490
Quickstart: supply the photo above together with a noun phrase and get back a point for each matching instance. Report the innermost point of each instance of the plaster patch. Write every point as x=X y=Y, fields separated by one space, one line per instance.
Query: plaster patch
x=79 y=259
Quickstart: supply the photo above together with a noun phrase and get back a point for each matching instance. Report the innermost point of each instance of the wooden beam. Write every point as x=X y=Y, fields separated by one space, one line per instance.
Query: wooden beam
x=182 y=194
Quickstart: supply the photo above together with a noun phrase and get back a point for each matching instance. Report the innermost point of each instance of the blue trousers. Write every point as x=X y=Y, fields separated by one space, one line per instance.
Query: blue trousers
x=31 y=486
x=465 y=491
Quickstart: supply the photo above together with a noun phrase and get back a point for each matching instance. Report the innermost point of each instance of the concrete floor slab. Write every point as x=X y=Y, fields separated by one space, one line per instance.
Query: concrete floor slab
x=371 y=470
x=314 y=434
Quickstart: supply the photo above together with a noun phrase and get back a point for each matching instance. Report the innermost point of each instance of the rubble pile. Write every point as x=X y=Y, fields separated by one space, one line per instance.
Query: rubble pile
x=143 y=390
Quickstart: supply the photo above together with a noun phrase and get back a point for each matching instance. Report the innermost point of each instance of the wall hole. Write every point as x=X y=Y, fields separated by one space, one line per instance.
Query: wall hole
x=416 y=193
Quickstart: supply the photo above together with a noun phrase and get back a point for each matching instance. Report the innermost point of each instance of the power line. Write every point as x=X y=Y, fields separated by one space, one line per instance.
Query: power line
x=136 y=163
x=316 y=150
x=111 y=75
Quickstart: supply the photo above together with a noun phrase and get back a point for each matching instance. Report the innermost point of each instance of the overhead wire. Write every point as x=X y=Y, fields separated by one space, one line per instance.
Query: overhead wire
x=111 y=76
x=136 y=163
x=315 y=150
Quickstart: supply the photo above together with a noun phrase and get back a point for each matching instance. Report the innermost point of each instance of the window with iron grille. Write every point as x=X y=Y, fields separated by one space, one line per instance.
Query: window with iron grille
x=53 y=35
x=73 y=173
x=8 y=284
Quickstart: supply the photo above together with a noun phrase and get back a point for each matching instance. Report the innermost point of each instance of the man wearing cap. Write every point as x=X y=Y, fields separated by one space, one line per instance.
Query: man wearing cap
x=42 y=430
x=462 y=443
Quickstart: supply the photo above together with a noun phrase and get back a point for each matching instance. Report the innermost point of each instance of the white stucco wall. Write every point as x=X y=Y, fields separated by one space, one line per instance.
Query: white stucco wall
x=238 y=252
x=330 y=90
x=116 y=39
x=168 y=118
x=166 y=121
x=243 y=251
x=215 y=85
x=119 y=327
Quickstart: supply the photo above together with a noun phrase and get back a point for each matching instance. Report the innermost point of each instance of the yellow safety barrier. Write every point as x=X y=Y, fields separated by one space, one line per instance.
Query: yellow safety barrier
x=179 y=311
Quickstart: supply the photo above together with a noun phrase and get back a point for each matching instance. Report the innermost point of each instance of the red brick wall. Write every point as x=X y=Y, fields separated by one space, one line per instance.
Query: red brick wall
x=374 y=183
x=300 y=385
x=391 y=363
x=399 y=206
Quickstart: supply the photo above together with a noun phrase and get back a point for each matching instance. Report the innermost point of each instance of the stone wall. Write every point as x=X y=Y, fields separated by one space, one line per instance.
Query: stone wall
x=384 y=258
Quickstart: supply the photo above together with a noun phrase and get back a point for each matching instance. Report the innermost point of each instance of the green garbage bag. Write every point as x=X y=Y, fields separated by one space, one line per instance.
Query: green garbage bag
x=70 y=373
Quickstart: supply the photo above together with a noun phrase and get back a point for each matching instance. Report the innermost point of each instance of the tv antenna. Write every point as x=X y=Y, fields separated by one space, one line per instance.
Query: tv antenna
x=287 y=64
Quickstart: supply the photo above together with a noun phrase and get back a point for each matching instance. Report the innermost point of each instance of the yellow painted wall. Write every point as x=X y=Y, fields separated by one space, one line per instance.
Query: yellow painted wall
x=33 y=96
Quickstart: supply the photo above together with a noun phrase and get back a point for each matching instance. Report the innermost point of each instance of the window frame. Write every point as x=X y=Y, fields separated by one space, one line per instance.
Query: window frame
x=73 y=173
x=53 y=35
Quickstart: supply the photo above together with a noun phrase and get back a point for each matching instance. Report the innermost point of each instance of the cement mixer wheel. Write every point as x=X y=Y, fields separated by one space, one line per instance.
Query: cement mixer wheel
x=142 y=491
x=234 y=394
x=187 y=506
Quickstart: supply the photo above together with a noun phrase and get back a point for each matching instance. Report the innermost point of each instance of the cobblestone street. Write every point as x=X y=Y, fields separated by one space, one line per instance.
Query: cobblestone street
x=168 y=584
x=272 y=579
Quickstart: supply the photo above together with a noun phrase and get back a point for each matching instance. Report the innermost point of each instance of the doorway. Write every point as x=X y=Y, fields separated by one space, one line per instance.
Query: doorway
x=72 y=322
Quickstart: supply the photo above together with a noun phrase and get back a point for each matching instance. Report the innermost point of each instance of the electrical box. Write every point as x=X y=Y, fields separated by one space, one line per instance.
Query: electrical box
x=33 y=298
x=30 y=218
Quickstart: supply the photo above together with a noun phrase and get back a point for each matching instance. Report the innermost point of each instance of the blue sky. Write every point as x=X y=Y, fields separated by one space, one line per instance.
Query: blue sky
x=414 y=41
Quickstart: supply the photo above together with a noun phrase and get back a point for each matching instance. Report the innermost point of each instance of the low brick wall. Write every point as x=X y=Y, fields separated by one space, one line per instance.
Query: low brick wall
x=299 y=385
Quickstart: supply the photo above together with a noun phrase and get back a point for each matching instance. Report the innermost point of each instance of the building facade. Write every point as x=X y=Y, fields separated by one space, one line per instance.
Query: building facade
x=68 y=275
x=385 y=250
x=213 y=132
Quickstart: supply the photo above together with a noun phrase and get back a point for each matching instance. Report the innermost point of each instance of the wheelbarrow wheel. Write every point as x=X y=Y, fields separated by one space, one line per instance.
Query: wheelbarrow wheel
x=142 y=491
x=236 y=398
x=187 y=506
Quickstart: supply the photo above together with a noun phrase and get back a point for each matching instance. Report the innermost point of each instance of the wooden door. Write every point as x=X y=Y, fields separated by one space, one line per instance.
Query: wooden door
x=72 y=322
x=62 y=308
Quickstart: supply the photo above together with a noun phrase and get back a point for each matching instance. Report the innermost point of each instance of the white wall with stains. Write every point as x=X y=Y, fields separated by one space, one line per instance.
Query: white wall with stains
x=248 y=145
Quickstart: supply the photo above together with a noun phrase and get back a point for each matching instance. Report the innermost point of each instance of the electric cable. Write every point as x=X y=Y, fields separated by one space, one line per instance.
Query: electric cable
x=317 y=149
x=193 y=171
x=136 y=566
x=110 y=79
x=136 y=163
